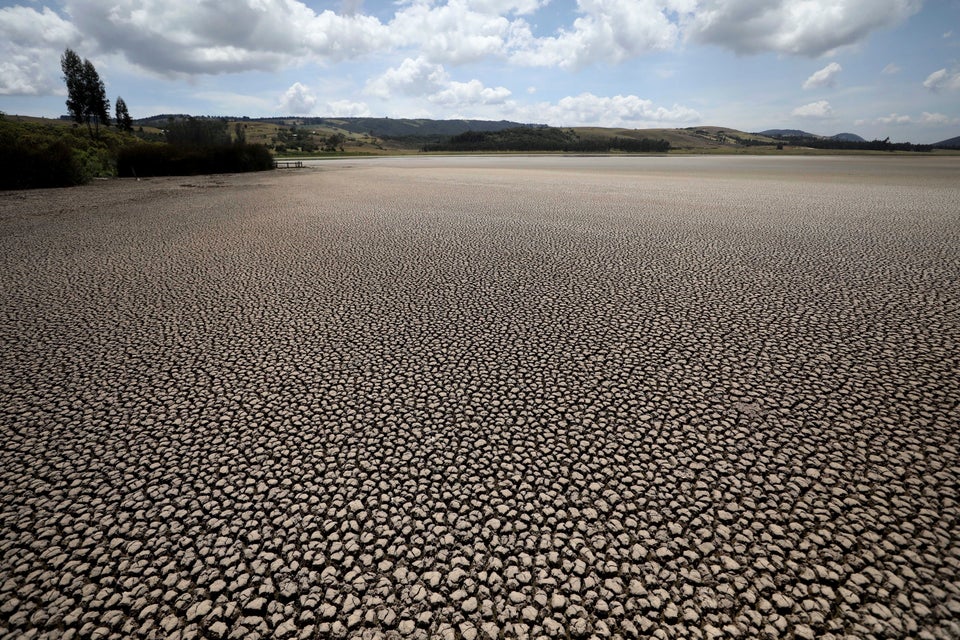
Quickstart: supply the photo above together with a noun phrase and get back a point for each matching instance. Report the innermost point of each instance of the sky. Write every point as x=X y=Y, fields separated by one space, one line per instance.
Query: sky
x=878 y=68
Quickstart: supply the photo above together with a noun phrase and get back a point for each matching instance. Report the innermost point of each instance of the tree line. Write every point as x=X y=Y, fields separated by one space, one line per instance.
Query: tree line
x=854 y=145
x=545 y=139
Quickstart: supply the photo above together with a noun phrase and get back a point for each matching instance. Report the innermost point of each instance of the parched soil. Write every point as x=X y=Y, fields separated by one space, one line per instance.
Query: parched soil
x=512 y=397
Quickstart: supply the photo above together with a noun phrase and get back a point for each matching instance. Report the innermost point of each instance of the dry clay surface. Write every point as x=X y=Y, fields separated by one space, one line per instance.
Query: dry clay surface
x=485 y=397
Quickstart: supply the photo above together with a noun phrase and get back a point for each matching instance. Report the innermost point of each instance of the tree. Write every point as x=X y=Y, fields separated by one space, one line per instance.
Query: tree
x=86 y=95
x=99 y=105
x=198 y=132
x=124 y=121
x=72 y=68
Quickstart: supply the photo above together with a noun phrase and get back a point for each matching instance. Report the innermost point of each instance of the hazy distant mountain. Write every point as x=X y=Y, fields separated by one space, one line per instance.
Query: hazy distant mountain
x=952 y=143
x=847 y=137
x=788 y=133
x=797 y=133
x=400 y=127
x=392 y=127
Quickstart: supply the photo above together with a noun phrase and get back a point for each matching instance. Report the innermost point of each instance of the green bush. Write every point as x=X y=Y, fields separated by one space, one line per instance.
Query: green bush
x=31 y=158
x=41 y=155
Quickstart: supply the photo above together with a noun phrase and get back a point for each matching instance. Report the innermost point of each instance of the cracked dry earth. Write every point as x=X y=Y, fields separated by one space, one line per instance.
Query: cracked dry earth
x=485 y=398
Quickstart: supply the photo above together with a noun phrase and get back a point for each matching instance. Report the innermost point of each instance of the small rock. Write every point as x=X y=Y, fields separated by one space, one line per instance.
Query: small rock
x=671 y=613
x=552 y=627
x=198 y=610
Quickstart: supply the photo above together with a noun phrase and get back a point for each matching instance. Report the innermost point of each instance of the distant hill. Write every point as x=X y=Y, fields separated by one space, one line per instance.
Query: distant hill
x=402 y=127
x=787 y=133
x=952 y=143
x=797 y=133
x=382 y=127
x=847 y=137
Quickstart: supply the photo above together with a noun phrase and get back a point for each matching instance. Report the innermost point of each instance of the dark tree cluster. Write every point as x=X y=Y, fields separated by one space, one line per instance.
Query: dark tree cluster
x=86 y=95
x=169 y=160
x=198 y=132
x=855 y=145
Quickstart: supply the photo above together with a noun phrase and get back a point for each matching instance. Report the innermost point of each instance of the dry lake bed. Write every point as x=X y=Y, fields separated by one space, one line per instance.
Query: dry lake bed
x=520 y=397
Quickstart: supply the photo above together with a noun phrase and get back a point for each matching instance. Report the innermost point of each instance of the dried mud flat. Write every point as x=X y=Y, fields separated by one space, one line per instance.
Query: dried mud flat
x=497 y=397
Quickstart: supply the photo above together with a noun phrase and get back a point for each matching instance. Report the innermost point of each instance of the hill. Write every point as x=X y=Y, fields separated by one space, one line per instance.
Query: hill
x=798 y=133
x=375 y=127
x=952 y=143
x=788 y=133
x=847 y=137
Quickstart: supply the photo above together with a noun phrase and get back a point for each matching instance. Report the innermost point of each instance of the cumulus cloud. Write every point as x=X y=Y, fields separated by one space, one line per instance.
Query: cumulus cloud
x=414 y=77
x=937 y=118
x=895 y=118
x=926 y=119
x=825 y=77
x=470 y=93
x=186 y=37
x=348 y=109
x=619 y=110
x=453 y=32
x=298 y=100
x=943 y=80
x=818 y=109
x=181 y=36
x=422 y=78
x=891 y=69
x=797 y=27
x=28 y=38
x=607 y=31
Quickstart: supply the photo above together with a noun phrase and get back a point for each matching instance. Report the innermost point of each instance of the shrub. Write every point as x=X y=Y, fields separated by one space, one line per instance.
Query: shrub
x=50 y=164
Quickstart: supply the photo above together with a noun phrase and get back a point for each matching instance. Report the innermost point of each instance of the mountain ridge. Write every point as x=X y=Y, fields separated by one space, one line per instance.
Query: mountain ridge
x=799 y=133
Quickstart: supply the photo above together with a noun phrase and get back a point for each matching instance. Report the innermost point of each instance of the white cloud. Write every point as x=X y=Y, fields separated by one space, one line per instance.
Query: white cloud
x=891 y=69
x=501 y=7
x=825 y=77
x=796 y=27
x=470 y=93
x=31 y=42
x=185 y=36
x=589 y=109
x=894 y=118
x=451 y=33
x=421 y=78
x=943 y=79
x=926 y=119
x=818 y=109
x=298 y=100
x=606 y=31
x=348 y=109
x=937 y=118
x=415 y=77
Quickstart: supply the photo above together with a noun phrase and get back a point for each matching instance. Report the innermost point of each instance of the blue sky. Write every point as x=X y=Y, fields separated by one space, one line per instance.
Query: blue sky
x=874 y=67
